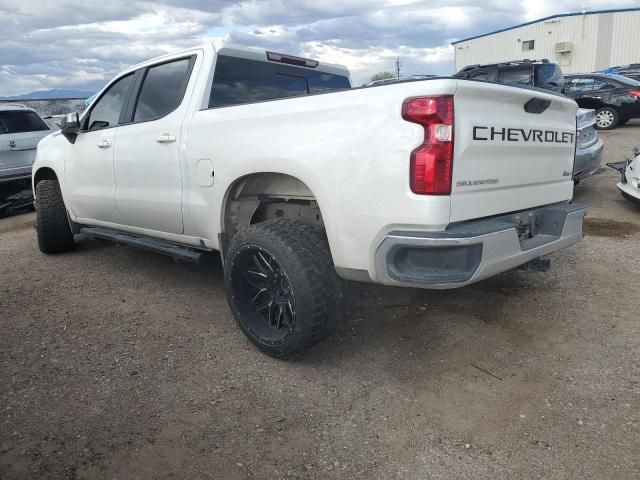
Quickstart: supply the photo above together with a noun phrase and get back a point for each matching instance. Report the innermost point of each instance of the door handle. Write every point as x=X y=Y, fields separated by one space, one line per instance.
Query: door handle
x=104 y=143
x=166 y=138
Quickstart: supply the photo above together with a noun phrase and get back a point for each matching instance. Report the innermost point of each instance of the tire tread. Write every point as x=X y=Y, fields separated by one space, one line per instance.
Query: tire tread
x=309 y=249
x=52 y=224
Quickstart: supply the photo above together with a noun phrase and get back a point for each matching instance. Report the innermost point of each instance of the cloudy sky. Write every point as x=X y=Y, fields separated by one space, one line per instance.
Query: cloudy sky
x=81 y=44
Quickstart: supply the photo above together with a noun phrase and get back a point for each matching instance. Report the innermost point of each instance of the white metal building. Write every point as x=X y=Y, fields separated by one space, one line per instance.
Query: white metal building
x=578 y=42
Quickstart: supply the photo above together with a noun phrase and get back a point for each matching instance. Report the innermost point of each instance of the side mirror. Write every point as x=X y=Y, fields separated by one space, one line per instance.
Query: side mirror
x=70 y=126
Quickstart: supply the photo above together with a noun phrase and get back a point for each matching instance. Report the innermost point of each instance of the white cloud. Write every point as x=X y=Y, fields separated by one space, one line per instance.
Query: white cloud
x=66 y=43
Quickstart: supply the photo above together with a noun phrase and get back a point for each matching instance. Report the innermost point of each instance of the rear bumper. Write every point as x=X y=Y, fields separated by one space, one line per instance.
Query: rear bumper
x=628 y=190
x=588 y=160
x=472 y=251
x=17 y=173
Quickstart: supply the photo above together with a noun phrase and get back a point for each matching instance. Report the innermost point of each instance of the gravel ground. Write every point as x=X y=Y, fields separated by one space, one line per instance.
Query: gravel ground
x=117 y=363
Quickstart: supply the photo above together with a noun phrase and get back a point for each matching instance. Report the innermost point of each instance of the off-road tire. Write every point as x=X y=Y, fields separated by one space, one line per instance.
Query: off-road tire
x=54 y=232
x=302 y=252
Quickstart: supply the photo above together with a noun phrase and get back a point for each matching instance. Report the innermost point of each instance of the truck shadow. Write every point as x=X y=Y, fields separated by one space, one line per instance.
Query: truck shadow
x=381 y=322
x=404 y=329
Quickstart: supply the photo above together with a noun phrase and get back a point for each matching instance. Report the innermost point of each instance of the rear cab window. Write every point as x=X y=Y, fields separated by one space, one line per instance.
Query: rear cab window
x=238 y=81
x=20 y=121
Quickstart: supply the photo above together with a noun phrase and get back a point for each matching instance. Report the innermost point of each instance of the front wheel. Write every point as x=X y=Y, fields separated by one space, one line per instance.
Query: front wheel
x=607 y=118
x=282 y=286
x=52 y=224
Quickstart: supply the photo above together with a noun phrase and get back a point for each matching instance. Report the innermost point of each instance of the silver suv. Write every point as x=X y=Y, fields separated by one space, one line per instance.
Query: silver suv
x=21 y=129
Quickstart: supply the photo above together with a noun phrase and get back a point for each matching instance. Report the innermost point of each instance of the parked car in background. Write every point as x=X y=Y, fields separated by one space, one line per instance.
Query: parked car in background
x=631 y=71
x=589 y=145
x=21 y=129
x=629 y=184
x=547 y=75
x=616 y=99
x=537 y=73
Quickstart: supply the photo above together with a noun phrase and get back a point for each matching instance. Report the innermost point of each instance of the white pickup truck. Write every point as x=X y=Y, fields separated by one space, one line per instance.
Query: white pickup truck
x=300 y=180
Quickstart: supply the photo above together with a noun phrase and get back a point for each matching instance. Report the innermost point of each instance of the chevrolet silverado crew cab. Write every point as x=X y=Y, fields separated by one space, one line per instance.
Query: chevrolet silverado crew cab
x=301 y=181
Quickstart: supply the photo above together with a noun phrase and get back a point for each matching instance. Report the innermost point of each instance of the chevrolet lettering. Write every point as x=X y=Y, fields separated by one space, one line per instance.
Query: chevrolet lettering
x=522 y=135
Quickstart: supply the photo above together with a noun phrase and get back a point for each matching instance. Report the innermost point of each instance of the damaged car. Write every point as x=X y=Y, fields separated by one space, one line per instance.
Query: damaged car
x=629 y=169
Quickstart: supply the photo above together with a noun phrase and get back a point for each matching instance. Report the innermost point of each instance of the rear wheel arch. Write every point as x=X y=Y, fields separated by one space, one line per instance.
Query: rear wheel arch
x=264 y=195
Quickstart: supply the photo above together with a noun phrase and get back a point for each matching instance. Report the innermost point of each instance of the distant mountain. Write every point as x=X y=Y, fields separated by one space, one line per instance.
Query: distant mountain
x=51 y=94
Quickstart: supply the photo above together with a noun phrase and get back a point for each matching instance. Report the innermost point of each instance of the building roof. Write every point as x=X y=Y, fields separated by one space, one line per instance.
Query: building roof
x=575 y=14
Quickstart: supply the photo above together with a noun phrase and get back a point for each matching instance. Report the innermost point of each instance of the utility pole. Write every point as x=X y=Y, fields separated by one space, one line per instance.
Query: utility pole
x=398 y=67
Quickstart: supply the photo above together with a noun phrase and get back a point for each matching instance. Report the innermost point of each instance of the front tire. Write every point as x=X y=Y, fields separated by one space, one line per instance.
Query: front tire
x=282 y=286
x=52 y=224
x=607 y=118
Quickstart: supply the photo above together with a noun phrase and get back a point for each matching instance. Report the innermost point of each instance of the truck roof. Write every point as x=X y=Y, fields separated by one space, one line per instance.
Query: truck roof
x=263 y=56
x=251 y=54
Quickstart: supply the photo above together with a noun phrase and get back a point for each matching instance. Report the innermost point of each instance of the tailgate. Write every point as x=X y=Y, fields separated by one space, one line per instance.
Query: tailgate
x=514 y=149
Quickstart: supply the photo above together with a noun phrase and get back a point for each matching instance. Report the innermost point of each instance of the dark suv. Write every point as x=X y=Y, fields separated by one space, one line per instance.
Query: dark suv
x=547 y=75
x=537 y=73
x=616 y=99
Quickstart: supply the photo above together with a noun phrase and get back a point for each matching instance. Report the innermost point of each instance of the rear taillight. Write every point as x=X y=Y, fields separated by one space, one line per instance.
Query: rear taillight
x=432 y=162
x=635 y=93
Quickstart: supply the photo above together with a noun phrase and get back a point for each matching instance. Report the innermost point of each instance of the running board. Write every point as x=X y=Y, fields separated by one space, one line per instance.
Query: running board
x=178 y=252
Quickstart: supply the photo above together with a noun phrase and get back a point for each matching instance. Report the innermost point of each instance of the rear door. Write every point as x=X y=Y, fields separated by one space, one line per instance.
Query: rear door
x=147 y=151
x=582 y=90
x=514 y=149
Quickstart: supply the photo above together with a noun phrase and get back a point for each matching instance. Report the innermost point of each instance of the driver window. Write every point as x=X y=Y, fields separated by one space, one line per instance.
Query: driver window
x=106 y=112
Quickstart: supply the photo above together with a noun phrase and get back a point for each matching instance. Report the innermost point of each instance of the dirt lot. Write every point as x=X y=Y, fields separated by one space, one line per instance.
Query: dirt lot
x=116 y=363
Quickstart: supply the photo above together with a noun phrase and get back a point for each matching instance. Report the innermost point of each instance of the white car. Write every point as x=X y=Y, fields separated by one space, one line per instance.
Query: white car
x=21 y=129
x=629 y=184
x=300 y=180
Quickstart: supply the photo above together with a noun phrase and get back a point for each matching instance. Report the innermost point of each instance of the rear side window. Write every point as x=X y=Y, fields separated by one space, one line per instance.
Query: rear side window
x=516 y=75
x=162 y=89
x=549 y=76
x=604 y=85
x=488 y=75
x=21 y=121
x=240 y=80
x=582 y=84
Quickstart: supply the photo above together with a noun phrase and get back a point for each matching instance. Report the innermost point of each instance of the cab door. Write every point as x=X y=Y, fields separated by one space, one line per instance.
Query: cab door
x=147 y=148
x=89 y=176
